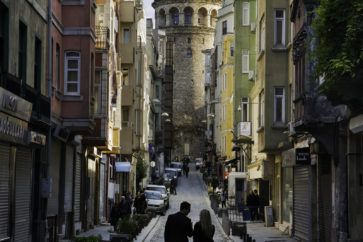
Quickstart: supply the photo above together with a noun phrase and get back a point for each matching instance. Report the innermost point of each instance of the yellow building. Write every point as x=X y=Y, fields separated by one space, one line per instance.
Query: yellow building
x=226 y=74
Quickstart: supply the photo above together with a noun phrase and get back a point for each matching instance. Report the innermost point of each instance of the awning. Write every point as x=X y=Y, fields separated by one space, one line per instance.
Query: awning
x=236 y=148
x=243 y=140
x=123 y=166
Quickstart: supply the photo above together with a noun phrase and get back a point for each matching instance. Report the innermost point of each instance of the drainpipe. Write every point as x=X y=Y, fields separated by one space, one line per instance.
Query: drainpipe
x=50 y=71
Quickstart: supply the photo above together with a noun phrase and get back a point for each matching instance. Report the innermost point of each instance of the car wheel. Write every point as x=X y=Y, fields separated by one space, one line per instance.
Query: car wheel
x=163 y=212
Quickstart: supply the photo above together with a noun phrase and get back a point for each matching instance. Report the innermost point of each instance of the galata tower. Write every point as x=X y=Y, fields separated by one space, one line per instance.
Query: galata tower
x=189 y=27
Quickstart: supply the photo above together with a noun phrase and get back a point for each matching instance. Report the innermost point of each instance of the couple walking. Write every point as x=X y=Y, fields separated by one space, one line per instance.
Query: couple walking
x=179 y=227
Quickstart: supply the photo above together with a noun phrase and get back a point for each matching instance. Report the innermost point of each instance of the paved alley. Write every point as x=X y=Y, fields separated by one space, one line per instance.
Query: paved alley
x=189 y=189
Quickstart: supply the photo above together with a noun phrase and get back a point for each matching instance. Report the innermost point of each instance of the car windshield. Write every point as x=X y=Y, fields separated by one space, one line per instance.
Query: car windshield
x=152 y=195
x=160 y=189
x=174 y=173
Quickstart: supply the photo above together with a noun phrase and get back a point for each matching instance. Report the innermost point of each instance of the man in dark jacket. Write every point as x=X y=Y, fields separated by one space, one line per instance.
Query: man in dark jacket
x=178 y=226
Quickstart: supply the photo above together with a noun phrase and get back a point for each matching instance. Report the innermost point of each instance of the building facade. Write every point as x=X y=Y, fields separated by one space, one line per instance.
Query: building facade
x=190 y=29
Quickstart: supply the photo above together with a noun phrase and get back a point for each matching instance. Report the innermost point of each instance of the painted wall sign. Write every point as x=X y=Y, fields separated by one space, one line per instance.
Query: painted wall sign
x=12 y=129
x=244 y=128
x=14 y=105
x=303 y=156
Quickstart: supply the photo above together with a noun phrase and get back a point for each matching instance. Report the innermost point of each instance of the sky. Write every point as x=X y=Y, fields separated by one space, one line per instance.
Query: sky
x=149 y=11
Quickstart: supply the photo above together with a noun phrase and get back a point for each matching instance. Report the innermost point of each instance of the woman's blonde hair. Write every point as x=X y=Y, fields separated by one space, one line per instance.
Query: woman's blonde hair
x=205 y=223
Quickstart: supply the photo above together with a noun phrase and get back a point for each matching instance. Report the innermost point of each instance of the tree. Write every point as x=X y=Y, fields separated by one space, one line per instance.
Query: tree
x=338 y=51
x=141 y=170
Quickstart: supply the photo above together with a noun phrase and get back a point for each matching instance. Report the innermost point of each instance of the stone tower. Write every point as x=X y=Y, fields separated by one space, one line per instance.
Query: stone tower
x=189 y=26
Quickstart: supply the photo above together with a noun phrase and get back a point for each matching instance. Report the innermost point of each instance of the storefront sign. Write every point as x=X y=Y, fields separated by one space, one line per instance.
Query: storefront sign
x=244 y=128
x=14 y=105
x=12 y=129
x=36 y=138
x=303 y=156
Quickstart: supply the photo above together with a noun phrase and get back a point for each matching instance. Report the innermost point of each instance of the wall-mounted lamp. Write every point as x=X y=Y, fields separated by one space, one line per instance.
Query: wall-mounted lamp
x=164 y=114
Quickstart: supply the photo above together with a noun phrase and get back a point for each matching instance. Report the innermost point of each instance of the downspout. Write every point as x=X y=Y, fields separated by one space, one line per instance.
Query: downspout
x=44 y=200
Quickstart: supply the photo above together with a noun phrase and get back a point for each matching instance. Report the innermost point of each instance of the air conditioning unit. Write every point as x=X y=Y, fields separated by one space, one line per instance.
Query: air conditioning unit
x=250 y=75
x=253 y=26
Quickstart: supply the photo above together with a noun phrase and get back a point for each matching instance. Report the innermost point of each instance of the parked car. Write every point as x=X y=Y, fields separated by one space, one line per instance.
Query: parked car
x=178 y=166
x=198 y=162
x=160 y=188
x=155 y=202
x=171 y=171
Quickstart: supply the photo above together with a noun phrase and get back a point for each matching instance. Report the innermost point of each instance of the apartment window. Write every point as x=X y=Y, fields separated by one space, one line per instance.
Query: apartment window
x=72 y=72
x=231 y=49
x=245 y=61
x=244 y=109
x=188 y=17
x=225 y=81
x=125 y=117
x=57 y=66
x=189 y=40
x=224 y=112
x=126 y=35
x=157 y=91
x=279 y=105
x=261 y=104
x=262 y=34
x=97 y=105
x=37 y=64
x=279 y=27
x=125 y=77
x=246 y=14
x=224 y=27
x=22 y=51
x=4 y=36
x=224 y=143
x=176 y=18
x=92 y=73
x=189 y=53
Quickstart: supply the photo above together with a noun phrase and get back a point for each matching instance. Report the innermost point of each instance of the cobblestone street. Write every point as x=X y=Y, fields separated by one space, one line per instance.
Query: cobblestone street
x=189 y=189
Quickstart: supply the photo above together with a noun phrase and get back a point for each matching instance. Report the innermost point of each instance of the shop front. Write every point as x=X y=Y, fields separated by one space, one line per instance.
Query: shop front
x=16 y=168
x=287 y=163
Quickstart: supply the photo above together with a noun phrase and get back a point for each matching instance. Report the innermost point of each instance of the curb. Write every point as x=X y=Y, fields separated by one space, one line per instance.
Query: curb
x=150 y=229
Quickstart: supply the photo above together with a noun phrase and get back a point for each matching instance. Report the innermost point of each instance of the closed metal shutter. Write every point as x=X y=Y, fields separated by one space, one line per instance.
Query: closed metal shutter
x=301 y=220
x=54 y=168
x=325 y=202
x=91 y=200
x=4 y=190
x=68 y=179
x=102 y=191
x=77 y=188
x=23 y=170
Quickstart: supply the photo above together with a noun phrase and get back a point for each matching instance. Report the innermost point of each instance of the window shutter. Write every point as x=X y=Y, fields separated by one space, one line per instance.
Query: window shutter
x=245 y=61
x=246 y=14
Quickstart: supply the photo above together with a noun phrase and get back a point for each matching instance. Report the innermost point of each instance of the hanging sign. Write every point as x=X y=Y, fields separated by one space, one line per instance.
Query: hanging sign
x=303 y=156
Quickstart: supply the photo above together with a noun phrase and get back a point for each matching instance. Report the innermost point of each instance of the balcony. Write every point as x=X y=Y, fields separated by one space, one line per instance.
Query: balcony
x=127 y=95
x=126 y=11
x=102 y=37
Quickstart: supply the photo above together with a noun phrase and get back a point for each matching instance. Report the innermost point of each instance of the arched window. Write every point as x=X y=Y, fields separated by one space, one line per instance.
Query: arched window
x=188 y=13
x=162 y=18
x=176 y=18
x=189 y=53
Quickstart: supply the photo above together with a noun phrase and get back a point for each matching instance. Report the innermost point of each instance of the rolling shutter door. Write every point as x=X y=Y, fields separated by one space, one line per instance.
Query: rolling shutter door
x=102 y=191
x=325 y=204
x=54 y=168
x=91 y=200
x=4 y=190
x=68 y=179
x=77 y=188
x=23 y=169
x=301 y=203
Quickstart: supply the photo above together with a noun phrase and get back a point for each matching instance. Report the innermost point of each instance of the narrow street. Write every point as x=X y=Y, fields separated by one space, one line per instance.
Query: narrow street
x=192 y=190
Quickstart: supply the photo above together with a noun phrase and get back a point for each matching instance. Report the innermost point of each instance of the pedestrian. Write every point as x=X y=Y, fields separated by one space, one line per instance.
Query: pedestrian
x=138 y=203
x=178 y=226
x=173 y=186
x=115 y=215
x=251 y=204
x=124 y=208
x=187 y=171
x=204 y=229
x=257 y=203
x=223 y=198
